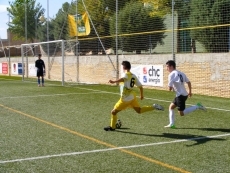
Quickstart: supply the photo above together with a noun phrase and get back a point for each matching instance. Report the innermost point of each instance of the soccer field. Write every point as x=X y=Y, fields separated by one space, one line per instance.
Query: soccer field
x=56 y=129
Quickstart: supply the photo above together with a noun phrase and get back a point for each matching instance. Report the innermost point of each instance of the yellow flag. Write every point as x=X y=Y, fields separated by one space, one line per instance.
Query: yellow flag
x=79 y=26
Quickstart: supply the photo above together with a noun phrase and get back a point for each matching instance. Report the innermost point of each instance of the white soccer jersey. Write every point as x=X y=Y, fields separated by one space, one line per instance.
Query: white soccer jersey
x=176 y=80
x=130 y=80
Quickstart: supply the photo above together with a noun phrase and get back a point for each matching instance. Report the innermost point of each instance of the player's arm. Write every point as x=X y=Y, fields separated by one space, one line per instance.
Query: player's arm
x=141 y=92
x=170 y=83
x=189 y=89
x=139 y=85
x=189 y=85
x=44 y=65
x=171 y=88
x=117 y=81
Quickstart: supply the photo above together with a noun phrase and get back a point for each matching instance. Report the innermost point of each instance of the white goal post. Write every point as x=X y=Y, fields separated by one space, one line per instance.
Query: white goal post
x=32 y=49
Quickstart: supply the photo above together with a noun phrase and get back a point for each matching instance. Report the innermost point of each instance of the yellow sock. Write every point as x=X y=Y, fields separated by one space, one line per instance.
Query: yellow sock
x=113 y=121
x=146 y=109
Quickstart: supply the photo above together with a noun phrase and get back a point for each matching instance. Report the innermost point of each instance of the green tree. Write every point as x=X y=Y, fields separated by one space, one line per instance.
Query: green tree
x=111 y=5
x=17 y=13
x=42 y=37
x=135 y=18
x=22 y=2
x=206 y=13
x=60 y=23
x=182 y=7
x=158 y=8
x=163 y=7
x=58 y=29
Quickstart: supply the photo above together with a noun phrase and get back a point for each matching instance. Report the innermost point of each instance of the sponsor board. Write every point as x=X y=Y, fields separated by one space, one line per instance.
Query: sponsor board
x=149 y=75
x=32 y=70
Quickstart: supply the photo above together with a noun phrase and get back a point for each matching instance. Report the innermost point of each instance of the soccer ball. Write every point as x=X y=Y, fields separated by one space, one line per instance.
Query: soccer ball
x=118 y=124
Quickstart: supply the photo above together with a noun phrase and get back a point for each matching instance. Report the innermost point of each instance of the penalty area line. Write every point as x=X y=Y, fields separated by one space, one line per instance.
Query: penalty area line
x=112 y=149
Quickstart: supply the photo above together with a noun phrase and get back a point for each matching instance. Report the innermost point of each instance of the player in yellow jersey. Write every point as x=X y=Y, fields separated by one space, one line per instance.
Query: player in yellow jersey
x=128 y=96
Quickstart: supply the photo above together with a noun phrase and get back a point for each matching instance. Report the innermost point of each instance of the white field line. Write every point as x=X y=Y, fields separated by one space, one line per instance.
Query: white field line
x=4 y=79
x=226 y=110
x=111 y=149
x=101 y=91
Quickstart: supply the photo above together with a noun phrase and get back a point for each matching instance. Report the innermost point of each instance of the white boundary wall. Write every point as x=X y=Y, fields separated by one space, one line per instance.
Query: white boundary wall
x=209 y=73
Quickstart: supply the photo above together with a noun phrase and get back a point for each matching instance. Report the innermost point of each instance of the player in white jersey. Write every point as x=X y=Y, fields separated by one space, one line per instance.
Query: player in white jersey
x=176 y=80
x=128 y=96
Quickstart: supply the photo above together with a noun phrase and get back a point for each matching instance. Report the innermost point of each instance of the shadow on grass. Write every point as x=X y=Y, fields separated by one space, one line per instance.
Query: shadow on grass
x=209 y=129
x=123 y=128
x=186 y=137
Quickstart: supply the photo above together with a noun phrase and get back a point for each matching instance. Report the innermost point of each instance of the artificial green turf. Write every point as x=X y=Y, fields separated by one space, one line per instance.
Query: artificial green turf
x=71 y=119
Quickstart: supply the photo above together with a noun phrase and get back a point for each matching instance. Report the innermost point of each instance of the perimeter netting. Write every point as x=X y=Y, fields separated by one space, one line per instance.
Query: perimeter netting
x=196 y=34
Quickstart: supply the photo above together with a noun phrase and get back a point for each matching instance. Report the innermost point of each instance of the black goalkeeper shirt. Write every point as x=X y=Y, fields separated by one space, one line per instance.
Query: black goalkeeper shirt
x=39 y=64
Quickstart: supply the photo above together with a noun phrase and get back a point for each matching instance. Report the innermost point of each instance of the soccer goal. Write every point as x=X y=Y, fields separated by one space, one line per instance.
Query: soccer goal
x=50 y=51
x=64 y=64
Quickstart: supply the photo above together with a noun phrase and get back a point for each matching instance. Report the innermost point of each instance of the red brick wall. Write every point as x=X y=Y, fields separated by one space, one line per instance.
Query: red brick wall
x=15 y=49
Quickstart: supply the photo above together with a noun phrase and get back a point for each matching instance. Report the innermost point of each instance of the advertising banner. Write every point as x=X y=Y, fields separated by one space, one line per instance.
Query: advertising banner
x=14 y=68
x=4 y=68
x=152 y=75
x=32 y=70
x=149 y=75
x=20 y=68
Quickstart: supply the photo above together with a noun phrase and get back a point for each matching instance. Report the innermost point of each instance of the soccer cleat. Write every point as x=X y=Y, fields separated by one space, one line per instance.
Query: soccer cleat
x=39 y=85
x=109 y=128
x=201 y=107
x=158 y=107
x=43 y=85
x=170 y=126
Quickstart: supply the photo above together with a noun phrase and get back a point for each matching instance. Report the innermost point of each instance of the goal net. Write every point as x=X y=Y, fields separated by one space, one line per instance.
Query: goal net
x=65 y=65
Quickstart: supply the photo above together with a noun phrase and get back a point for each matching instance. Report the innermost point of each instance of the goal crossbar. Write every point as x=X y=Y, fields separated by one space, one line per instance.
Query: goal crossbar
x=38 y=43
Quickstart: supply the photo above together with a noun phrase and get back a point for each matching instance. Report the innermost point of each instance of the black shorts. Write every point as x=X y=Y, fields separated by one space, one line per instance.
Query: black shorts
x=40 y=72
x=180 y=102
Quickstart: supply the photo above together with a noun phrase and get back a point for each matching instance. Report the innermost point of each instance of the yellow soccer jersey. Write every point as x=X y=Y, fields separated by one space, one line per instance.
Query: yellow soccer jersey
x=130 y=80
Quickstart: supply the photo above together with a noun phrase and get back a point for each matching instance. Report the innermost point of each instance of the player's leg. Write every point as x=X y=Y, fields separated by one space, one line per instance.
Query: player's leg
x=193 y=108
x=172 y=106
x=140 y=110
x=136 y=106
x=201 y=107
x=143 y=109
x=181 y=104
x=114 y=118
x=39 y=81
x=158 y=107
x=39 y=74
x=43 y=81
x=119 y=106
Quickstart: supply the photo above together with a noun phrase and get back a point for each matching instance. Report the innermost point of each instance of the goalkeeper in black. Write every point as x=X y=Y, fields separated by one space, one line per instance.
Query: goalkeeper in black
x=40 y=65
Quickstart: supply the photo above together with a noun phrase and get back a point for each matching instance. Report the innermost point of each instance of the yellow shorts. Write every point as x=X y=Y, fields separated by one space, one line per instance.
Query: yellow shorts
x=121 y=105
